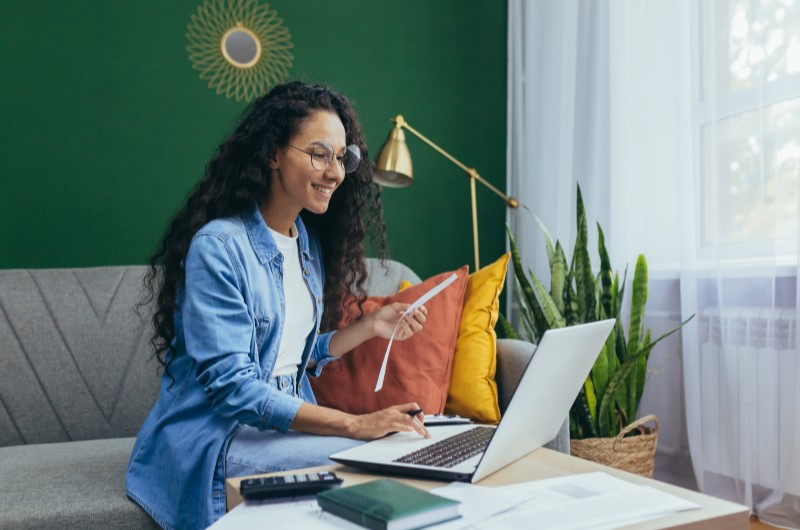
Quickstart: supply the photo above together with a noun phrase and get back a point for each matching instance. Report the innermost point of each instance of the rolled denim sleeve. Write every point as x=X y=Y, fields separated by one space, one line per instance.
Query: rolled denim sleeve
x=220 y=336
x=321 y=354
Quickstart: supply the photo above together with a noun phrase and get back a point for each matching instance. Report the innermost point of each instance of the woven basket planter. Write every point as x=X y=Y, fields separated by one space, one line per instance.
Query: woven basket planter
x=635 y=454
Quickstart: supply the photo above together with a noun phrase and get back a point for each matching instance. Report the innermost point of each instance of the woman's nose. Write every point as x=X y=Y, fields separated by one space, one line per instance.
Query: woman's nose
x=335 y=171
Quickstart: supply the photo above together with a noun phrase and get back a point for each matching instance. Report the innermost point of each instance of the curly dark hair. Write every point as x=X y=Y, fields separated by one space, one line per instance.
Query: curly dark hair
x=239 y=174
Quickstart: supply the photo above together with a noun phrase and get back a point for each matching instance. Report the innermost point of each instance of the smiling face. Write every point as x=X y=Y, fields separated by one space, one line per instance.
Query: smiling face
x=296 y=183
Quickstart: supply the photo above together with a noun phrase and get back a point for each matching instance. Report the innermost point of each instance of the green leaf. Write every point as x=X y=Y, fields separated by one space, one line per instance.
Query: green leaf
x=591 y=398
x=616 y=385
x=507 y=328
x=584 y=278
x=548 y=239
x=605 y=271
x=599 y=379
x=607 y=422
x=613 y=360
x=618 y=305
x=621 y=418
x=570 y=297
x=632 y=381
x=551 y=312
x=598 y=307
x=637 y=387
x=625 y=369
x=583 y=417
x=638 y=303
x=615 y=295
x=601 y=371
x=558 y=277
x=620 y=396
x=538 y=321
x=526 y=316
x=622 y=344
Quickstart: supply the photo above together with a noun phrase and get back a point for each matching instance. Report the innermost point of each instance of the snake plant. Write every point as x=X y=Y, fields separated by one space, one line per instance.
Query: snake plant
x=610 y=397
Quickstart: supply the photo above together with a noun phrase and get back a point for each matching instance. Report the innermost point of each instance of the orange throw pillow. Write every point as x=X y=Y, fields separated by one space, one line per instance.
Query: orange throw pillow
x=419 y=368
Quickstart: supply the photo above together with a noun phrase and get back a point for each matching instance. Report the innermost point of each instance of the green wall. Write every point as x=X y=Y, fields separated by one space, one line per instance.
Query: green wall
x=105 y=126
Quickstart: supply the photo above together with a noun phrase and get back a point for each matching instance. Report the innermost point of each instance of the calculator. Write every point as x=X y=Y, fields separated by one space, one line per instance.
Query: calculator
x=262 y=488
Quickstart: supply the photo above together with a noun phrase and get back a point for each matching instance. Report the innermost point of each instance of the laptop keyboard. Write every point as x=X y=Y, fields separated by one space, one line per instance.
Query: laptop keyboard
x=452 y=450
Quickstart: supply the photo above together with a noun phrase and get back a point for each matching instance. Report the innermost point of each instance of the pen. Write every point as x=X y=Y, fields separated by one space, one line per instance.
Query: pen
x=413 y=413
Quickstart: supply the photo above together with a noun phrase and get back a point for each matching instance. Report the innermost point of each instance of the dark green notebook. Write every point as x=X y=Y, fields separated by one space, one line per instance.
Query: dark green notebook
x=386 y=504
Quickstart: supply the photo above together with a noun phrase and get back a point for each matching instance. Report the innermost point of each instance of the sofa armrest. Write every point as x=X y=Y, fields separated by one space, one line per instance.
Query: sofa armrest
x=512 y=358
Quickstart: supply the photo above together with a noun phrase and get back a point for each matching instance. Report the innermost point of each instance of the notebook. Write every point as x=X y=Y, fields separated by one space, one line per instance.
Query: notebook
x=386 y=504
x=541 y=402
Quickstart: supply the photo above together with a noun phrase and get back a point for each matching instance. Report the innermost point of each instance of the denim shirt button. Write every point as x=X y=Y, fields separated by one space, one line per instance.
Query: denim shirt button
x=305 y=271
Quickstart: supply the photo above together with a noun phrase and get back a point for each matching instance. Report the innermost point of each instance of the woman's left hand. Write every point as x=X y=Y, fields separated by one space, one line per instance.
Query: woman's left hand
x=385 y=319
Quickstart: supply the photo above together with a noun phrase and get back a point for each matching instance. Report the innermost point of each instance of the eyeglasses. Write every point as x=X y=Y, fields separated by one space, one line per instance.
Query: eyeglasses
x=322 y=156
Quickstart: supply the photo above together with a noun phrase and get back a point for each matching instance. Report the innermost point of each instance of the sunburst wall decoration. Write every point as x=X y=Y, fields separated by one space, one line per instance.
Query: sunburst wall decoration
x=240 y=47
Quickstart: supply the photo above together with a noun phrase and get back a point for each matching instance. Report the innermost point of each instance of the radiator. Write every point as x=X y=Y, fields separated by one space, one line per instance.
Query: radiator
x=749 y=411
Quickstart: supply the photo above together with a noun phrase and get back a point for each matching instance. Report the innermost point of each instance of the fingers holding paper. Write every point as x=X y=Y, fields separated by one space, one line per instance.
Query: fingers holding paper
x=392 y=316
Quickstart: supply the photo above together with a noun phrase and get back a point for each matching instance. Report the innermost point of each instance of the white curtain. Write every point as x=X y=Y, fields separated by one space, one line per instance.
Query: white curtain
x=681 y=121
x=556 y=113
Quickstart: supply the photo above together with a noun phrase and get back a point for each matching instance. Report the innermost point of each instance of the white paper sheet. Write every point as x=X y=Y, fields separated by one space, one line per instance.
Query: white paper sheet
x=588 y=501
x=305 y=514
x=478 y=503
x=418 y=302
x=595 y=501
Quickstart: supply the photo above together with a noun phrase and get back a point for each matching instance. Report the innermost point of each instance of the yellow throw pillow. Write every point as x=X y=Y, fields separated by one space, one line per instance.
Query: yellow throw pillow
x=473 y=390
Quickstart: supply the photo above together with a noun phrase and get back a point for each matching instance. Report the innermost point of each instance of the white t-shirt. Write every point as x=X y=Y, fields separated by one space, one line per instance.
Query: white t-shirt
x=299 y=307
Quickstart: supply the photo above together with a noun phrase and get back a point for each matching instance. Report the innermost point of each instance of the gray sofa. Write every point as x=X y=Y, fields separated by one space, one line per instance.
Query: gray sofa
x=77 y=379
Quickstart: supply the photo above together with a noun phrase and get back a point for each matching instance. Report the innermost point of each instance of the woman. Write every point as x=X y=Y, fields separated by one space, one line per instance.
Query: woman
x=248 y=277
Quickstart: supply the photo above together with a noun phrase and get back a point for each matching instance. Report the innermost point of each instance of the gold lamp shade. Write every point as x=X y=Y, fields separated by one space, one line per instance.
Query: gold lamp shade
x=393 y=168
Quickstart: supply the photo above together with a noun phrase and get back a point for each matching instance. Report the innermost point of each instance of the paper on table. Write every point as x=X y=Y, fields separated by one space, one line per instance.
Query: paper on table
x=478 y=503
x=418 y=302
x=595 y=501
x=305 y=514
x=586 y=501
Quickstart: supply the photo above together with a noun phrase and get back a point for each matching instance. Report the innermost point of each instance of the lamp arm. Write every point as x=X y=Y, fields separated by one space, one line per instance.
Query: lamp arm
x=510 y=201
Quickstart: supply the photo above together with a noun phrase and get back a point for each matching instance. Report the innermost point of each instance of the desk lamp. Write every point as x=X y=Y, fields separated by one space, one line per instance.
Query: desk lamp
x=394 y=170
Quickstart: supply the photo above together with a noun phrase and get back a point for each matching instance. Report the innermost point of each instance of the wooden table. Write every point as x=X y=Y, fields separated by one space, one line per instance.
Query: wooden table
x=543 y=463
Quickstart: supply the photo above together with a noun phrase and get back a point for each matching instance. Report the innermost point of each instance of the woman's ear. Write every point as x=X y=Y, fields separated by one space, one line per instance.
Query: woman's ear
x=273 y=161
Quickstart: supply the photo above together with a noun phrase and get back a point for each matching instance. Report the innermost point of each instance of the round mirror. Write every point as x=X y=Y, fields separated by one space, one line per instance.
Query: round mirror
x=241 y=47
x=226 y=46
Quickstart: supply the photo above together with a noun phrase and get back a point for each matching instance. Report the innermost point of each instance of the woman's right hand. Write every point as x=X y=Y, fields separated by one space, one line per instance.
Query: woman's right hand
x=389 y=420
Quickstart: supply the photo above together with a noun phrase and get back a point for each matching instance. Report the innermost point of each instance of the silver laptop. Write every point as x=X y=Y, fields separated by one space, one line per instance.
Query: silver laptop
x=541 y=402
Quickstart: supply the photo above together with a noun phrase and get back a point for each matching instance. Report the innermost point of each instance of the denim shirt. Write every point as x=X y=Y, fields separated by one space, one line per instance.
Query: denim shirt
x=228 y=324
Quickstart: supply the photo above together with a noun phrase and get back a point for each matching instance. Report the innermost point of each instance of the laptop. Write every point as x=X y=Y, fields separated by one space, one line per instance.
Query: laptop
x=541 y=402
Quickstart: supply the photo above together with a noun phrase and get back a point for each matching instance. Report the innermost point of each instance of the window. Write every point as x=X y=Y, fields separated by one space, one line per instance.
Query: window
x=747 y=125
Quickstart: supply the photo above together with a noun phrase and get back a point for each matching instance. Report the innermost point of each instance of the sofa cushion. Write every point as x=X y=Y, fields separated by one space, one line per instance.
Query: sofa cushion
x=473 y=390
x=77 y=485
x=75 y=361
x=418 y=368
